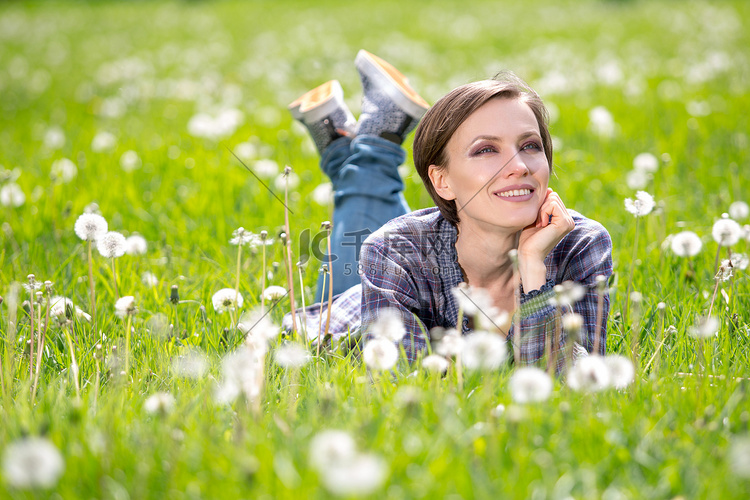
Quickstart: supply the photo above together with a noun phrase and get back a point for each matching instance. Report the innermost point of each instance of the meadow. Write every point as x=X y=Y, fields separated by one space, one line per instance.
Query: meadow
x=141 y=112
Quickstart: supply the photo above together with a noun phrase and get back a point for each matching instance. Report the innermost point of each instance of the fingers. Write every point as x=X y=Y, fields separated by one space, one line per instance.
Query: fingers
x=553 y=212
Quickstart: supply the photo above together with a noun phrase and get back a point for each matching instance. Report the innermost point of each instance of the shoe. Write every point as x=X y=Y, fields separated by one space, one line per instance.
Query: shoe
x=325 y=114
x=390 y=107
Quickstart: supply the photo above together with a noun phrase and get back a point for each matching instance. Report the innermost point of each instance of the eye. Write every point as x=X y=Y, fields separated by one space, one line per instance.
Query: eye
x=531 y=145
x=484 y=149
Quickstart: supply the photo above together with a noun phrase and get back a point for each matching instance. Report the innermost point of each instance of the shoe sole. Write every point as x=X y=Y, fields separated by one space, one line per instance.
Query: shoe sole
x=316 y=104
x=392 y=82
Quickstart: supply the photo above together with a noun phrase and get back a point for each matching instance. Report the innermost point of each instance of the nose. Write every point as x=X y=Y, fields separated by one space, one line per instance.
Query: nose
x=516 y=166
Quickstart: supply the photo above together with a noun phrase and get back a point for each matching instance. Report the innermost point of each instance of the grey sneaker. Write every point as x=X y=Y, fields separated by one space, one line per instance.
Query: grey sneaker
x=390 y=107
x=325 y=114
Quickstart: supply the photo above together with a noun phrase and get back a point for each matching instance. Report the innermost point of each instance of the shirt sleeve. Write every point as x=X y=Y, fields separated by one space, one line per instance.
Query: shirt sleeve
x=582 y=256
x=389 y=282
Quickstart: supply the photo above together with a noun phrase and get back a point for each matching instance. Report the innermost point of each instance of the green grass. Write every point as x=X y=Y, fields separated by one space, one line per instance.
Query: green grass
x=141 y=70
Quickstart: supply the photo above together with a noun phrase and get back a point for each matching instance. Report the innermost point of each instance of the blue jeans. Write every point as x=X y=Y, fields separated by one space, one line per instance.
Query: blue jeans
x=367 y=193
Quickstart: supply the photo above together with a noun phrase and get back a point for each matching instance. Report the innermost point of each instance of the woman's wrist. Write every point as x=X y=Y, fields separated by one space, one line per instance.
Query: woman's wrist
x=533 y=272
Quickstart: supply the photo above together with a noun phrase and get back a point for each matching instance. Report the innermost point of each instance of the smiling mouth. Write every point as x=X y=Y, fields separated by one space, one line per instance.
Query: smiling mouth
x=514 y=192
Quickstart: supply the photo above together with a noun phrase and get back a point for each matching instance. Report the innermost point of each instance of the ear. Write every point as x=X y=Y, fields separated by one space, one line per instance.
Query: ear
x=439 y=178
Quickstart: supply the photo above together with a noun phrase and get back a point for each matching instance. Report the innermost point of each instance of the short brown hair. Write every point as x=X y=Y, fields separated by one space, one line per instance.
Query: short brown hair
x=442 y=120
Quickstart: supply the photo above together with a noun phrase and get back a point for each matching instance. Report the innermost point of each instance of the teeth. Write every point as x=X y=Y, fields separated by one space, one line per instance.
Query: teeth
x=515 y=192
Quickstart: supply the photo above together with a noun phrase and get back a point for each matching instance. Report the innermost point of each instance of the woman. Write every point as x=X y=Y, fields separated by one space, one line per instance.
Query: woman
x=484 y=153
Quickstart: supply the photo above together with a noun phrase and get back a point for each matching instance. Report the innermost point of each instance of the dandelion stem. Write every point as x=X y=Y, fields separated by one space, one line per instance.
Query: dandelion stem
x=263 y=282
x=302 y=297
x=632 y=269
x=716 y=260
x=713 y=297
x=40 y=347
x=31 y=336
x=73 y=363
x=127 y=347
x=114 y=277
x=289 y=272
x=91 y=289
x=239 y=260
x=320 y=316
x=555 y=344
x=330 y=281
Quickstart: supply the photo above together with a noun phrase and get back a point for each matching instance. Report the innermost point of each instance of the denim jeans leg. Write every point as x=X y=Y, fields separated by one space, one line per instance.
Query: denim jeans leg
x=368 y=192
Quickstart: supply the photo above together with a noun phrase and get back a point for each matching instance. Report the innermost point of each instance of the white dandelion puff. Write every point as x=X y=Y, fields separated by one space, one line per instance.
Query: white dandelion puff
x=589 y=374
x=483 y=351
x=451 y=344
x=530 y=385
x=435 y=363
x=160 y=402
x=136 y=244
x=725 y=270
x=621 y=370
x=646 y=162
x=226 y=299
x=266 y=168
x=380 y=354
x=103 y=141
x=291 y=355
x=130 y=161
x=54 y=138
x=149 y=279
x=637 y=179
x=739 y=457
x=63 y=170
x=601 y=122
x=739 y=210
x=192 y=364
x=241 y=236
x=246 y=151
x=705 y=327
x=389 y=325
x=274 y=292
x=726 y=232
x=281 y=181
x=111 y=245
x=11 y=195
x=739 y=261
x=331 y=447
x=642 y=205
x=125 y=306
x=62 y=308
x=686 y=244
x=323 y=193
x=255 y=324
x=573 y=324
x=568 y=293
x=242 y=372
x=32 y=462
x=90 y=226
x=361 y=475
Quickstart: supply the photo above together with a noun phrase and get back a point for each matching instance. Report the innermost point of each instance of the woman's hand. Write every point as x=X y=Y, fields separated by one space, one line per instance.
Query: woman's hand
x=538 y=240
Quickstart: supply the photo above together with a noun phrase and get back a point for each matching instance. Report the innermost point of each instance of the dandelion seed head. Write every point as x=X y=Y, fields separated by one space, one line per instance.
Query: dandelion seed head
x=274 y=292
x=474 y=301
x=136 y=244
x=435 y=363
x=323 y=194
x=726 y=232
x=282 y=179
x=739 y=261
x=103 y=141
x=125 y=306
x=642 y=205
x=589 y=374
x=149 y=279
x=483 y=351
x=130 y=161
x=11 y=195
x=331 y=447
x=227 y=299
x=705 y=327
x=266 y=168
x=739 y=457
x=359 y=476
x=90 y=227
x=389 y=325
x=568 y=293
x=54 y=138
x=32 y=462
x=530 y=385
x=725 y=270
x=637 y=179
x=63 y=170
x=686 y=244
x=621 y=370
x=380 y=354
x=646 y=162
x=160 y=402
x=257 y=325
x=739 y=210
x=291 y=355
x=192 y=364
x=111 y=245
x=242 y=372
x=572 y=323
x=450 y=344
x=241 y=236
x=601 y=122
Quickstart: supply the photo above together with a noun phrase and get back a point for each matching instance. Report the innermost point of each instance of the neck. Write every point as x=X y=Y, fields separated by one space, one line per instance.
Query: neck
x=483 y=255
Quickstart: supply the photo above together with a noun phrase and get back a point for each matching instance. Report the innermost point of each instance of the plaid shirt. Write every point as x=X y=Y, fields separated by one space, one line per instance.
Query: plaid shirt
x=410 y=265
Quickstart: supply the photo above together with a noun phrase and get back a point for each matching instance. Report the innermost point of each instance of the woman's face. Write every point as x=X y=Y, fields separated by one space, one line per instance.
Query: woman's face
x=497 y=170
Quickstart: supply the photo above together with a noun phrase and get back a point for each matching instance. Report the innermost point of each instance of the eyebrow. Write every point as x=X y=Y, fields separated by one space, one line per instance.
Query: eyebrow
x=499 y=139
